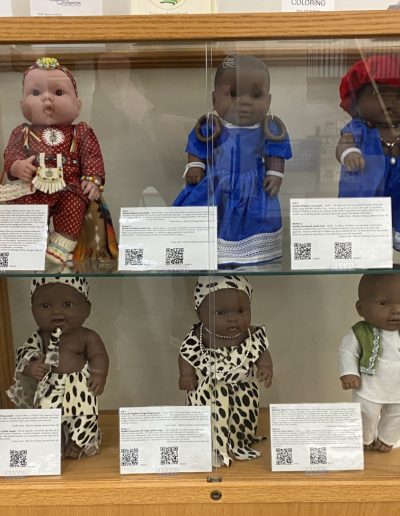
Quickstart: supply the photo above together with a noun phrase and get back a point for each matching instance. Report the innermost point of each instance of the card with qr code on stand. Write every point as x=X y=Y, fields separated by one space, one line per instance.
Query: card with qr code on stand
x=316 y=437
x=341 y=234
x=30 y=442
x=165 y=439
x=168 y=239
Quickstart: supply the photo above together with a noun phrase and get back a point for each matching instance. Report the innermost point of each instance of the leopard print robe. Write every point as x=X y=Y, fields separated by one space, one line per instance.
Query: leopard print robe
x=68 y=392
x=232 y=392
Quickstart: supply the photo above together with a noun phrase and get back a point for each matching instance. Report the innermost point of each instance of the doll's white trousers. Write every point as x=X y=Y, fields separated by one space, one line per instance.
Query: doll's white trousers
x=380 y=420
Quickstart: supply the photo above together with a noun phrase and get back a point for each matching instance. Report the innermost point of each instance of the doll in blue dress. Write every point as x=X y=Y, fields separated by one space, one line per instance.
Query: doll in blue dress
x=236 y=159
x=369 y=146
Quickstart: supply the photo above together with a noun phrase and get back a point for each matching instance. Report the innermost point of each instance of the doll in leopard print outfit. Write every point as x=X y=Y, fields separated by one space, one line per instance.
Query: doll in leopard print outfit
x=217 y=365
x=63 y=364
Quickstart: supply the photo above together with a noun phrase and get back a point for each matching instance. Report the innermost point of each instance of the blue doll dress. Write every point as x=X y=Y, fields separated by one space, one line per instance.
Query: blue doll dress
x=249 y=221
x=379 y=178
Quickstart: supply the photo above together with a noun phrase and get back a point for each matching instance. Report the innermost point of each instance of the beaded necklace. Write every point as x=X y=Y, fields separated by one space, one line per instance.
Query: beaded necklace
x=228 y=337
x=207 y=351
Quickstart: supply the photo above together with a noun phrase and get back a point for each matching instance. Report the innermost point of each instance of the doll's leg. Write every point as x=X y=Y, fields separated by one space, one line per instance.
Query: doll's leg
x=83 y=436
x=370 y=413
x=388 y=427
x=68 y=217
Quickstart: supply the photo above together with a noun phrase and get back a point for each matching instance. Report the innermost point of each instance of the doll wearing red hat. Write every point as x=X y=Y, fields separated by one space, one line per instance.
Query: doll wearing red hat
x=369 y=146
x=51 y=160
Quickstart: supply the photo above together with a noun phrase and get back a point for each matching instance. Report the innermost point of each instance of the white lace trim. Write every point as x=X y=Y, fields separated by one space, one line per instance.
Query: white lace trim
x=262 y=247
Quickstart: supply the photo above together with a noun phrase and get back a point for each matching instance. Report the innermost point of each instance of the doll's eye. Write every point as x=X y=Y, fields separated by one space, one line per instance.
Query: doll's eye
x=383 y=302
x=59 y=93
x=258 y=94
x=241 y=310
x=45 y=306
x=233 y=93
x=219 y=312
x=35 y=93
x=68 y=304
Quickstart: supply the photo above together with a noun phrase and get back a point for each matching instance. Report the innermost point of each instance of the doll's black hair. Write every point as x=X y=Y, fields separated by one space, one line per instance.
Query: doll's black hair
x=240 y=61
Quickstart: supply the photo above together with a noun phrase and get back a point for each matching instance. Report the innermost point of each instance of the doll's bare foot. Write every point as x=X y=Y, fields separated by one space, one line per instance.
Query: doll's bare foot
x=369 y=447
x=381 y=446
x=72 y=450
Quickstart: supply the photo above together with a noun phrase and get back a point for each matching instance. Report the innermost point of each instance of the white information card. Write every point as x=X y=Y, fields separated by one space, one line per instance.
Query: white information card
x=23 y=237
x=308 y=5
x=178 y=238
x=316 y=437
x=66 y=7
x=5 y=8
x=165 y=439
x=171 y=6
x=346 y=233
x=30 y=442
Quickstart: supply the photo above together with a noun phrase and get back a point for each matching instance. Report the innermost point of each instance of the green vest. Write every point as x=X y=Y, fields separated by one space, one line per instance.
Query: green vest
x=369 y=339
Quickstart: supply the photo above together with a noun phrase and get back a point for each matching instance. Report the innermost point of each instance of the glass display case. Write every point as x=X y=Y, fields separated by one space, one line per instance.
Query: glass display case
x=144 y=81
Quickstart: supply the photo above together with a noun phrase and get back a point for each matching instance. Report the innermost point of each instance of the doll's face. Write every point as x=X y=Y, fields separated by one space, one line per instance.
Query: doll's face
x=49 y=98
x=379 y=302
x=229 y=308
x=379 y=107
x=57 y=305
x=242 y=97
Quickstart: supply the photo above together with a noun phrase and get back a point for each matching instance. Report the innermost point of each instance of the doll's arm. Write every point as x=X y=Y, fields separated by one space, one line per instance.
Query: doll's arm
x=91 y=161
x=195 y=170
x=274 y=168
x=265 y=368
x=187 y=375
x=350 y=381
x=349 y=357
x=36 y=368
x=348 y=154
x=98 y=362
x=23 y=169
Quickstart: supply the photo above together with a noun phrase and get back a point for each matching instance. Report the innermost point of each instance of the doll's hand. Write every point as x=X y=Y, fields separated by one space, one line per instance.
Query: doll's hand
x=264 y=375
x=91 y=190
x=194 y=175
x=36 y=369
x=272 y=185
x=354 y=161
x=350 y=381
x=187 y=382
x=24 y=169
x=96 y=383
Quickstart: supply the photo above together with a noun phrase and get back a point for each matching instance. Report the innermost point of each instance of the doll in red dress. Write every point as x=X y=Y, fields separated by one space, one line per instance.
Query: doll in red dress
x=51 y=160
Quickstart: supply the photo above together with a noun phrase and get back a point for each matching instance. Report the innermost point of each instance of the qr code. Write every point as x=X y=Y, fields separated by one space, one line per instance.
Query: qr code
x=302 y=251
x=18 y=458
x=129 y=457
x=174 y=256
x=169 y=455
x=133 y=256
x=4 y=259
x=284 y=456
x=318 y=456
x=343 y=251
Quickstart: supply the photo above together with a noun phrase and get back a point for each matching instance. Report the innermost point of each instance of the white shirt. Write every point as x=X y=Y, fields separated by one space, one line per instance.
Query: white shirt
x=384 y=385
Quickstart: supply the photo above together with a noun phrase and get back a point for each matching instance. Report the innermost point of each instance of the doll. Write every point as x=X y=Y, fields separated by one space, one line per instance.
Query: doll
x=52 y=160
x=63 y=364
x=236 y=162
x=217 y=362
x=369 y=360
x=369 y=146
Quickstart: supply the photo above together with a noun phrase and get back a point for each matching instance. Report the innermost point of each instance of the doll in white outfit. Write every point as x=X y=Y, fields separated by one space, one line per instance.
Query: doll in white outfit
x=369 y=360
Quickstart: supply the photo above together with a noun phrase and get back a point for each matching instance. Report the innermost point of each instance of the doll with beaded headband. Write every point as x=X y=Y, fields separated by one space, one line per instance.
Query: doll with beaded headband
x=236 y=159
x=221 y=361
x=369 y=145
x=63 y=364
x=51 y=160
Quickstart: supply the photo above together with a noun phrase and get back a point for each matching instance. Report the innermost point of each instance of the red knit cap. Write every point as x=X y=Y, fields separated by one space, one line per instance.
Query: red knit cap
x=383 y=69
x=51 y=63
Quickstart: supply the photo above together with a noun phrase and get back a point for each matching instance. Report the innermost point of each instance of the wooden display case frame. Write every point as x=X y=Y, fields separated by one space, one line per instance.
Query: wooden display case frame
x=94 y=486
